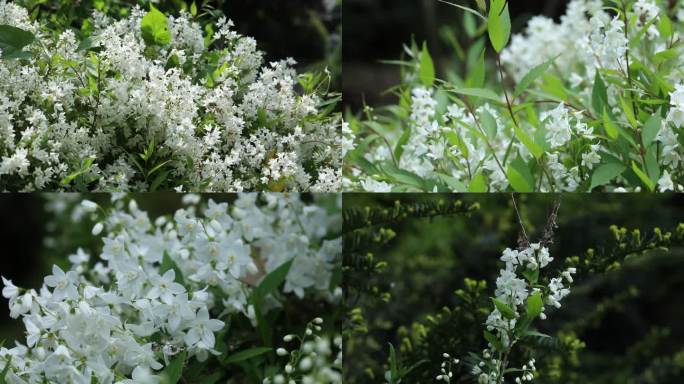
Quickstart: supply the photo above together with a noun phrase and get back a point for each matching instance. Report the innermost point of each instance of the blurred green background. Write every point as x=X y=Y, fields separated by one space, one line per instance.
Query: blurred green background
x=630 y=319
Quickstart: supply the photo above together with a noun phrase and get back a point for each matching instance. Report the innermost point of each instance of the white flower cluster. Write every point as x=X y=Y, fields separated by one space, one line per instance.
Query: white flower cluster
x=455 y=145
x=211 y=114
x=156 y=288
x=315 y=360
x=516 y=284
x=445 y=369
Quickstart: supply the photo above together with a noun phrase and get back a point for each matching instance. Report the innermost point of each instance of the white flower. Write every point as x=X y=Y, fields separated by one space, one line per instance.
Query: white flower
x=665 y=182
x=202 y=328
x=165 y=287
x=10 y=291
x=64 y=284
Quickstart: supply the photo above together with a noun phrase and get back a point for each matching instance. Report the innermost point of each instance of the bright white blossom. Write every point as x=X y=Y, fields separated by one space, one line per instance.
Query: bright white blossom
x=122 y=114
x=161 y=287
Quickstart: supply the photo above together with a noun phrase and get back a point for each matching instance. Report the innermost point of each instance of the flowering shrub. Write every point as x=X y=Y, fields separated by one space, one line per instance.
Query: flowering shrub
x=151 y=102
x=519 y=300
x=196 y=294
x=593 y=102
x=438 y=301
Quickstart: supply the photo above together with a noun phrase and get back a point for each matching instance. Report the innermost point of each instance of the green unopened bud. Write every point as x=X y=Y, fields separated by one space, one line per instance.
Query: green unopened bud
x=658 y=233
x=615 y=231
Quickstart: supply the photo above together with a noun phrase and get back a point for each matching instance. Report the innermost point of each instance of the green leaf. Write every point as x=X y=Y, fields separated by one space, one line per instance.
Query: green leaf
x=477 y=92
x=505 y=310
x=402 y=176
x=427 y=68
x=85 y=167
x=488 y=123
x=665 y=55
x=629 y=110
x=494 y=341
x=174 y=370
x=652 y=167
x=167 y=264
x=161 y=177
x=3 y=375
x=269 y=284
x=527 y=141
x=643 y=177
x=534 y=305
x=478 y=184
x=12 y=40
x=476 y=77
x=155 y=27
x=499 y=24
x=394 y=365
x=193 y=9
x=519 y=176
x=399 y=147
x=651 y=128
x=531 y=76
x=605 y=173
x=599 y=95
x=609 y=125
x=517 y=181
x=532 y=275
x=273 y=280
x=536 y=334
x=453 y=183
x=665 y=25
x=247 y=354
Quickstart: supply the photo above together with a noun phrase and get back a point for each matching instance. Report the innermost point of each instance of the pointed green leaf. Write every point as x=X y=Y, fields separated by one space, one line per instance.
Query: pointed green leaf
x=504 y=308
x=174 y=370
x=494 y=341
x=534 y=305
x=488 y=123
x=427 y=68
x=531 y=76
x=478 y=184
x=246 y=354
x=527 y=141
x=605 y=173
x=477 y=92
x=599 y=95
x=476 y=77
x=499 y=24
x=643 y=177
x=651 y=128
x=12 y=40
x=609 y=125
x=155 y=27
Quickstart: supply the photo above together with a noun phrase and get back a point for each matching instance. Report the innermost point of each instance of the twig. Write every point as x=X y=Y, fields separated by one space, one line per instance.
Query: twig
x=523 y=240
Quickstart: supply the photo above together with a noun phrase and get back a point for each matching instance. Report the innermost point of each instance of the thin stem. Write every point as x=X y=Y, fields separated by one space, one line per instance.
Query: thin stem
x=484 y=135
x=642 y=148
x=503 y=86
x=520 y=221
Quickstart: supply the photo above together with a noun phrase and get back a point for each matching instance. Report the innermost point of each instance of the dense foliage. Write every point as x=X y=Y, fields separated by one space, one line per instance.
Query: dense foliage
x=582 y=296
x=139 y=100
x=592 y=102
x=204 y=294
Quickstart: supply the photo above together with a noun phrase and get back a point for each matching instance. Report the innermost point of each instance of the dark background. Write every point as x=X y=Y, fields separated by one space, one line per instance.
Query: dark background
x=376 y=30
x=429 y=259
